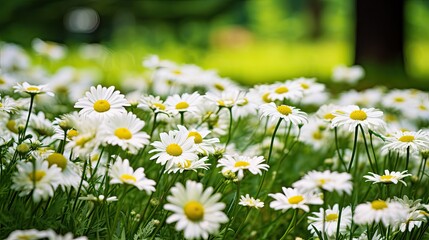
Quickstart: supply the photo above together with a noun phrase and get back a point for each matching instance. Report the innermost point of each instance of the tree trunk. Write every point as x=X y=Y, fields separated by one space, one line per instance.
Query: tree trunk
x=380 y=34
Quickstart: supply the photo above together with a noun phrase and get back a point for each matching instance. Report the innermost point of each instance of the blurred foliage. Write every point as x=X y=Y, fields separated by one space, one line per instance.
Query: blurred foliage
x=248 y=41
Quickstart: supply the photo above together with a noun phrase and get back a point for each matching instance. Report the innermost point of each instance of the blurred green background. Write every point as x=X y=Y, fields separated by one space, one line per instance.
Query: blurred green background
x=249 y=41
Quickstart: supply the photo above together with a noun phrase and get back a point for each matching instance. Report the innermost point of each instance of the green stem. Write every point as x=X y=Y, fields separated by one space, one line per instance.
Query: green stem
x=367 y=151
x=232 y=208
x=338 y=148
x=269 y=156
x=80 y=185
x=354 y=149
x=28 y=117
x=230 y=127
x=291 y=225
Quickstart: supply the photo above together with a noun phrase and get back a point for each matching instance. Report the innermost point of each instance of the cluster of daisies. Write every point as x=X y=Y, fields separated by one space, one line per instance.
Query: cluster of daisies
x=186 y=153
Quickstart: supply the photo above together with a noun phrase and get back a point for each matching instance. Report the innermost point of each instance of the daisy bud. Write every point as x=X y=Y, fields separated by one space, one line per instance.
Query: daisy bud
x=414 y=179
x=154 y=202
x=23 y=148
x=425 y=153
x=11 y=126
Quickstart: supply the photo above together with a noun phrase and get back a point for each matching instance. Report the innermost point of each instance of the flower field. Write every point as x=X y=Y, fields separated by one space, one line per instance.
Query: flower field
x=179 y=152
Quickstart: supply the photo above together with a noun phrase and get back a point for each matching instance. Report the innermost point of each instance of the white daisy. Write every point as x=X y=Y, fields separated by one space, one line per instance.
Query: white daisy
x=399 y=99
x=401 y=140
x=326 y=180
x=287 y=113
x=294 y=198
x=244 y=107
x=153 y=103
x=316 y=133
x=102 y=102
x=33 y=89
x=122 y=173
x=326 y=221
x=70 y=176
x=38 y=179
x=184 y=103
x=51 y=50
x=203 y=144
x=227 y=98
x=238 y=164
x=388 y=177
x=174 y=148
x=7 y=104
x=247 y=201
x=388 y=212
x=84 y=138
x=13 y=57
x=351 y=116
x=28 y=234
x=289 y=90
x=195 y=210
x=326 y=112
x=124 y=130
x=348 y=74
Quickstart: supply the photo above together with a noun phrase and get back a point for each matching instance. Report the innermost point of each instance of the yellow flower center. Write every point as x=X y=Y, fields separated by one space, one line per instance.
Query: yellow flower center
x=422 y=107
x=159 y=105
x=296 y=199
x=317 y=135
x=182 y=105
x=221 y=103
x=57 y=158
x=281 y=90
x=83 y=140
x=128 y=177
x=243 y=102
x=329 y=116
x=323 y=181
x=358 y=115
x=101 y=106
x=1 y=104
x=331 y=217
x=2 y=81
x=378 y=204
x=305 y=86
x=386 y=178
x=37 y=175
x=72 y=133
x=197 y=137
x=177 y=71
x=399 y=99
x=406 y=138
x=194 y=211
x=285 y=110
x=241 y=164
x=174 y=150
x=219 y=86
x=185 y=165
x=32 y=89
x=266 y=97
x=123 y=133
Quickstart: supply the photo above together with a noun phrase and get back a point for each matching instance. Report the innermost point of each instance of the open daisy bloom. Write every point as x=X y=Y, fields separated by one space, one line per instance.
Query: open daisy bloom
x=196 y=211
x=124 y=130
x=352 y=116
x=174 y=148
x=102 y=102
x=184 y=103
x=388 y=212
x=294 y=198
x=329 y=220
x=284 y=112
x=326 y=180
x=238 y=164
x=247 y=201
x=122 y=173
x=401 y=140
x=387 y=178
x=33 y=89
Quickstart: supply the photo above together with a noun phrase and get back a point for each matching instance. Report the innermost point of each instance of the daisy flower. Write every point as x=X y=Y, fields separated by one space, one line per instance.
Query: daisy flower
x=84 y=138
x=184 y=103
x=388 y=177
x=247 y=201
x=175 y=147
x=351 y=116
x=295 y=199
x=100 y=198
x=122 y=173
x=38 y=179
x=153 y=103
x=203 y=144
x=124 y=130
x=326 y=221
x=25 y=87
x=401 y=140
x=13 y=57
x=70 y=175
x=326 y=112
x=51 y=50
x=102 y=102
x=399 y=99
x=287 y=113
x=238 y=164
x=326 y=180
x=388 y=212
x=7 y=104
x=190 y=165
x=348 y=74
x=289 y=90
x=30 y=234
x=197 y=212
x=227 y=98
x=316 y=133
